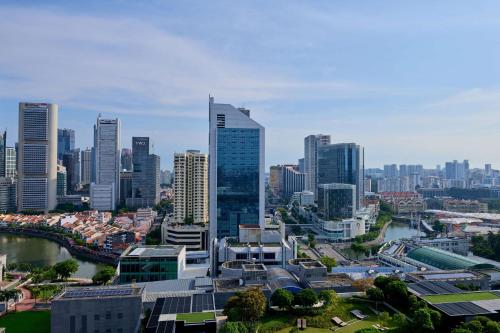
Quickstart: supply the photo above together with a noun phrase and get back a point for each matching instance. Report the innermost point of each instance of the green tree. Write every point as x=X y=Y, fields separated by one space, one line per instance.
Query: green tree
x=438 y=226
x=396 y=292
x=65 y=268
x=399 y=320
x=104 y=275
x=376 y=295
x=306 y=298
x=233 y=327
x=328 y=297
x=252 y=304
x=422 y=320
x=328 y=262
x=282 y=298
x=383 y=318
x=358 y=248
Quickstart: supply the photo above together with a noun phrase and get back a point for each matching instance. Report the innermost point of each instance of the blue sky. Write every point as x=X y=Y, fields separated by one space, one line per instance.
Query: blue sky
x=411 y=81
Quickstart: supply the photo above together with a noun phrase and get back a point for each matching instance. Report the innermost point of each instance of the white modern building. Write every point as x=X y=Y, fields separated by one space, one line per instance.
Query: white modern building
x=191 y=187
x=37 y=165
x=10 y=162
x=104 y=192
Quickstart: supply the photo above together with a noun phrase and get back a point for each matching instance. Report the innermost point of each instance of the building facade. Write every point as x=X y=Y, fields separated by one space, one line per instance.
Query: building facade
x=145 y=175
x=10 y=162
x=311 y=145
x=342 y=163
x=125 y=186
x=3 y=153
x=194 y=237
x=37 y=157
x=337 y=201
x=86 y=167
x=62 y=181
x=236 y=170
x=191 y=187
x=71 y=160
x=104 y=195
x=7 y=194
x=65 y=141
x=126 y=159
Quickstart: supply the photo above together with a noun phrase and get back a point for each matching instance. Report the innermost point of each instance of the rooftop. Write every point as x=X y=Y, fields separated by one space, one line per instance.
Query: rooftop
x=101 y=292
x=153 y=251
x=441 y=259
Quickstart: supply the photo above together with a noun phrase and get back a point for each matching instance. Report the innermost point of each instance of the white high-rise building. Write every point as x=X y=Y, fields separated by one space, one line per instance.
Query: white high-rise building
x=37 y=164
x=311 y=144
x=104 y=192
x=10 y=162
x=191 y=187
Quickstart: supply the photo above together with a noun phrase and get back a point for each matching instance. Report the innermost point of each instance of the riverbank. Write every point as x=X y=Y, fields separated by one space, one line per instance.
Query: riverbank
x=68 y=243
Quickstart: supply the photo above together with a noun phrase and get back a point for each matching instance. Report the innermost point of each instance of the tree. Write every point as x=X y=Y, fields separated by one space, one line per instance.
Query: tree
x=282 y=298
x=233 y=327
x=399 y=320
x=328 y=297
x=65 y=268
x=368 y=330
x=383 y=318
x=306 y=298
x=438 y=226
x=252 y=304
x=363 y=284
x=232 y=304
x=397 y=293
x=422 y=320
x=375 y=294
x=104 y=275
x=358 y=248
x=328 y=262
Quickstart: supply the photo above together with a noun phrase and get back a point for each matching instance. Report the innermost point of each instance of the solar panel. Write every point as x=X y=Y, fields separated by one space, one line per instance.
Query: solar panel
x=158 y=307
x=85 y=293
x=434 y=288
x=177 y=305
x=203 y=302
x=461 y=309
x=221 y=299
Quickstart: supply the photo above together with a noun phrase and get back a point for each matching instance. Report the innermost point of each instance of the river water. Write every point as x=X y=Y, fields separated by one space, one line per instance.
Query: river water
x=41 y=252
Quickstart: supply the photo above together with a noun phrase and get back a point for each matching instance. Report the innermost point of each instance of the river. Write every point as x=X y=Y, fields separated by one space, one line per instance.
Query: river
x=41 y=252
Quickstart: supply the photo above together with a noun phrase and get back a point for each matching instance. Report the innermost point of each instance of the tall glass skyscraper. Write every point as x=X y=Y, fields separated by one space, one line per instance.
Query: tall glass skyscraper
x=342 y=163
x=3 y=147
x=311 y=146
x=65 y=141
x=236 y=170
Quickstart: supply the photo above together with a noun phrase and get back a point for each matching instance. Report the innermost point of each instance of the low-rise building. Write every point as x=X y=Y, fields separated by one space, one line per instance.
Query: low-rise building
x=193 y=236
x=97 y=309
x=152 y=263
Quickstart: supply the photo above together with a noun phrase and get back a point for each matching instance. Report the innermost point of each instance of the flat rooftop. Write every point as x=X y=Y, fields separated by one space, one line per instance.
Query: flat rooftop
x=153 y=251
x=101 y=292
x=254 y=267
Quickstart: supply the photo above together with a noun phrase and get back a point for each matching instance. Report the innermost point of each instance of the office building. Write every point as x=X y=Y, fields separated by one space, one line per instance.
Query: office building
x=37 y=157
x=304 y=198
x=65 y=141
x=10 y=162
x=145 y=175
x=301 y=165
x=152 y=263
x=275 y=179
x=311 y=145
x=125 y=186
x=337 y=201
x=86 y=167
x=62 y=181
x=126 y=159
x=193 y=236
x=166 y=177
x=236 y=170
x=191 y=187
x=97 y=309
x=285 y=180
x=3 y=153
x=7 y=194
x=105 y=191
x=71 y=160
x=342 y=163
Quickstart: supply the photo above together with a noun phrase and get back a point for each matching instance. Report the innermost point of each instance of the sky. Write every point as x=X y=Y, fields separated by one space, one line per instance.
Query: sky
x=413 y=82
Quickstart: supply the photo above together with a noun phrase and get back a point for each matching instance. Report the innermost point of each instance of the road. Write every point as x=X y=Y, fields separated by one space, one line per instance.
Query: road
x=380 y=238
x=328 y=250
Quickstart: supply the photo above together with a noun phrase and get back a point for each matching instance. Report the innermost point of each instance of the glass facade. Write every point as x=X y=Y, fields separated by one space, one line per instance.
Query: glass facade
x=238 y=151
x=337 y=201
x=145 y=269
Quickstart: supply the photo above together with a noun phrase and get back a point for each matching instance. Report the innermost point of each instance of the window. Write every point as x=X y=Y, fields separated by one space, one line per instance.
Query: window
x=96 y=317
x=108 y=314
x=270 y=256
x=119 y=315
x=240 y=256
x=72 y=324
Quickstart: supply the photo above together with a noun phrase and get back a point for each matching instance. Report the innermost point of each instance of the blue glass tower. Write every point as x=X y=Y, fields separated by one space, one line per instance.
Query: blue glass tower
x=236 y=170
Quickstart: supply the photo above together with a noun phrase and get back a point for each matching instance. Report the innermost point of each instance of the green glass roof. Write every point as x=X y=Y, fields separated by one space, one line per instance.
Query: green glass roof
x=441 y=259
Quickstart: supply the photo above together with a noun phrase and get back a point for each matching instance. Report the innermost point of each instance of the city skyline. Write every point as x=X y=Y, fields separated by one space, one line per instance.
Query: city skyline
x=396 y=61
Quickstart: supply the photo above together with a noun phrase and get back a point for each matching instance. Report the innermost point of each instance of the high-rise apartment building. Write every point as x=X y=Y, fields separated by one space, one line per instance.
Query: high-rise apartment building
x=86 y=167
x=145 y=175
x=3 y=147
x=37 y=157
x=391 y=171
x=65 y=141
x=342 y=163
x=126 y=158
x=71 y=161
x=10 y=162
x=456 y=170
x=191 y=187
x=311 y=145
x=285 y=180
x=104 y=192
x=236 y=170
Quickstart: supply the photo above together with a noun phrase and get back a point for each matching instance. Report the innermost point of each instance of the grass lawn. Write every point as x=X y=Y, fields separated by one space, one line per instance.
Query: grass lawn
x=466 y=297
x=348 y=329
x=26 y=322
x=197 y=317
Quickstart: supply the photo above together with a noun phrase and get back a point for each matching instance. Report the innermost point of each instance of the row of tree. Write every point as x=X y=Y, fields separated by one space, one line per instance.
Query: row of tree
x=60 y=271
x=488 y=247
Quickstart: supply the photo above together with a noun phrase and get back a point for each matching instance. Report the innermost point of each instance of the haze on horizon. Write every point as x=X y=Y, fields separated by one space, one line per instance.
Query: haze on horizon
x=412 y=82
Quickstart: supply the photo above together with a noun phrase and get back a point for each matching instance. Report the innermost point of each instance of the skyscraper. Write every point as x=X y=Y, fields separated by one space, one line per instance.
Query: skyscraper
x=62 y=180
x=311 y=145
x=10 y=162
x=7 y=194
x=191 y=187
x=65 y=141
x=3 y=147
x=71 y=161
x=105 y=191
x=145 y=175
x=236 y=170
x=86 y=166
x=126 y=158
x=342 y=163
x=37 y=157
